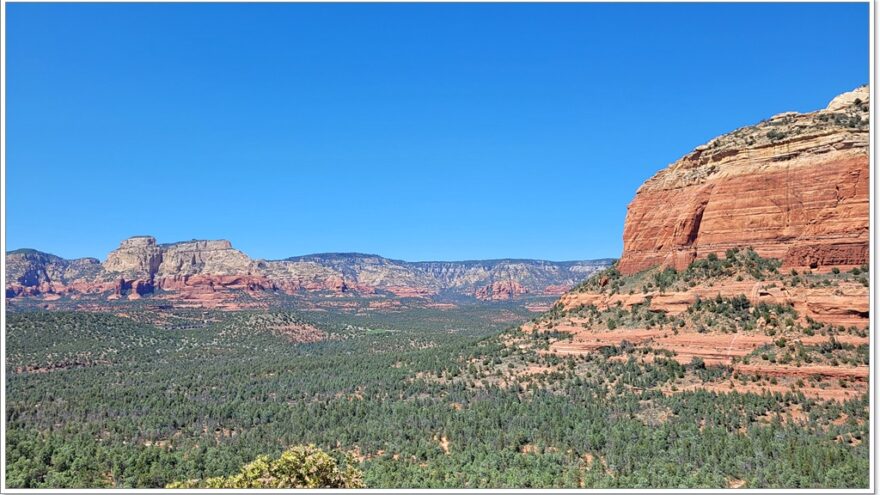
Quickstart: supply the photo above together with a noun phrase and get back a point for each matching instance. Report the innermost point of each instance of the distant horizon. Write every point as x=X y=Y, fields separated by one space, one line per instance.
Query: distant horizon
x=322 y=253
x=440 y=132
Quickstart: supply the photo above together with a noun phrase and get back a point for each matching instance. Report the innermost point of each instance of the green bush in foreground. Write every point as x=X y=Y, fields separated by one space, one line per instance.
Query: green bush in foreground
x=303 y=466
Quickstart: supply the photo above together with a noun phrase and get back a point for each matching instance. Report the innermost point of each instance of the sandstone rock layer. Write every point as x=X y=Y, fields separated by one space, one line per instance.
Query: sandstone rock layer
x=213 y=274
x=794 y=187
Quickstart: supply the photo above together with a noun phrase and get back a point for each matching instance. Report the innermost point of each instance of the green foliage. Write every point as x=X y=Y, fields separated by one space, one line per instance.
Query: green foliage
x=104 y=401
x=736 y=314
x=735 y=261
x=605 y=280
x=775 y=135
x=303 y=466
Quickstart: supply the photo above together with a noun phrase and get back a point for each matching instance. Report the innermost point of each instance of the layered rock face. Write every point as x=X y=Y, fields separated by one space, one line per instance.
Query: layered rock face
x=199 y=257
x=846 y=304
x=501 y=290
x=195 y=268
x=136 y=257
x=797 y=317
x=31 y=272
x=211 y=273
x=142 y=257
x=794 y=187
x=368 y=273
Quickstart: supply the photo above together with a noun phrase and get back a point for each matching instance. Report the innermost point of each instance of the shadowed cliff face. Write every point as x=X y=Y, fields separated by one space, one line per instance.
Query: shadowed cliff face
x=206 y=273
x=794 y=187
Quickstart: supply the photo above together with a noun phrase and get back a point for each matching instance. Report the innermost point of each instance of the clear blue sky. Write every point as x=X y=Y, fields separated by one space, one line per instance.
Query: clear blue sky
x=418 y=132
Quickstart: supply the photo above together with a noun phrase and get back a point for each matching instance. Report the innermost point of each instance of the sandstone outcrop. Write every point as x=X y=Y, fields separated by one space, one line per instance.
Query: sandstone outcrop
x=31 y=272
x=142 y=266
x=135 y=257
x=794 y=187
x=204 y=257
x=556 y=290
x=500 y=291
x=207 y=273
x=844 y=305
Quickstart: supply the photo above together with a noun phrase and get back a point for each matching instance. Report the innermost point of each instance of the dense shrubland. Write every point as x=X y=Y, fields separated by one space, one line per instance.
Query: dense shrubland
x=738 y=264
x=302 y=466
x=714 y=314
x=98 y=400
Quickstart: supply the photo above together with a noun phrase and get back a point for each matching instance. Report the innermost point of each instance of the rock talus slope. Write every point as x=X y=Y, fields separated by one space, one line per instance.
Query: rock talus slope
x=794 y=187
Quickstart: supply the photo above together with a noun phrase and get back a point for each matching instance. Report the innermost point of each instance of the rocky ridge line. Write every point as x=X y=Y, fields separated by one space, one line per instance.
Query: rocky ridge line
x=208 y=272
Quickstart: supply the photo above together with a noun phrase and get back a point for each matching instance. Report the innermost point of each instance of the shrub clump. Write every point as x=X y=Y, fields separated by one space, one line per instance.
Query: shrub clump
x=303 y=466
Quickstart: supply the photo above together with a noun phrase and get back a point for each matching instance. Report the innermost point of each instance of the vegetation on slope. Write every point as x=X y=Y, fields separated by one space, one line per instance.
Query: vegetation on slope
x=737 y=264
x=454 y=403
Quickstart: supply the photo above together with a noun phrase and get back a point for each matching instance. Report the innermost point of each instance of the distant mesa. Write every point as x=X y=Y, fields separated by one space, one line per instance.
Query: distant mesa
x=213 y=274
x=501 y=290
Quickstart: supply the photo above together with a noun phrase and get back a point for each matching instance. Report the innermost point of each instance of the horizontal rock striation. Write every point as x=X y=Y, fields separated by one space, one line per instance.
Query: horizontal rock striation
x=501 y=291
x=844 y=305
x=206 y=273
x=794 y=187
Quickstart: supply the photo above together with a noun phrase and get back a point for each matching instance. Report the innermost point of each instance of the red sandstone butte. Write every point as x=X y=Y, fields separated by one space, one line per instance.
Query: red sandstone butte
x=794 y=187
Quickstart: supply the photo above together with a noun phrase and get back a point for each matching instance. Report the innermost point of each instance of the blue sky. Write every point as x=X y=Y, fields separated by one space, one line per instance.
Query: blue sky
x=420 y=132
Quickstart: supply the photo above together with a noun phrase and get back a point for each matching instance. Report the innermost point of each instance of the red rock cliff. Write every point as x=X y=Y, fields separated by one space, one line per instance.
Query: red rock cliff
x=794 y=187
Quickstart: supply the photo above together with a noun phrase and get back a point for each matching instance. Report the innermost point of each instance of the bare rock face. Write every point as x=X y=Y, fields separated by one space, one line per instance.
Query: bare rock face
x=210 y=273
x=142 y=266
x=142 y=257
x=203 y=257
x=794 y=187
x=135 y=257
x=133 y=288
x=31 y=272
x=500 y=291
x=367 y=274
